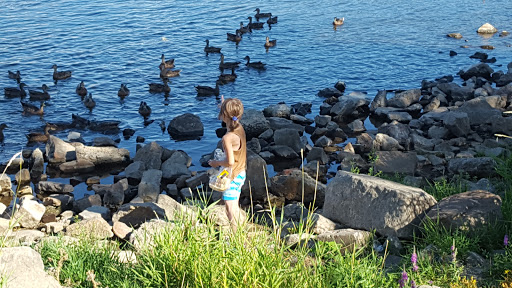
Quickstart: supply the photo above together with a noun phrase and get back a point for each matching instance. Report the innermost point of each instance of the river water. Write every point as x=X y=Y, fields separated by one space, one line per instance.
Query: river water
x=382 y=45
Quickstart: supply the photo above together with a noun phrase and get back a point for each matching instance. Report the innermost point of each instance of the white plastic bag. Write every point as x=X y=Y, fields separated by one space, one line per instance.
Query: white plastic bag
x=220 y=180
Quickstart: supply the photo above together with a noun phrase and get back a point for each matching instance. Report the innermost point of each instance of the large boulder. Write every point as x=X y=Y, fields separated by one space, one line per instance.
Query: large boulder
x=48 y=187
x=102 y=155
x=365 y=202
x=487 y=28
x=457 y=123
x=186 y=126
x=467 y=211
x=405 y=99
x=23 y=267
x=58 y=151
x=288 y=137
x=479 y=111
x=480 y=167
x=151 y=155
x=77 y=166
x=289 y=184
x=254 y=123
x=477 y=70
x=380 y=100
x=257 y=177
x=279 y=110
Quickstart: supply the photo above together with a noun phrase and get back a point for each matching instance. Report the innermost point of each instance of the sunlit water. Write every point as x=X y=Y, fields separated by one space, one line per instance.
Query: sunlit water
x=382 y=45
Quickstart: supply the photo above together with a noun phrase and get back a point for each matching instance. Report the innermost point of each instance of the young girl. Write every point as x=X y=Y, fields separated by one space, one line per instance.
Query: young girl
x=234 y=146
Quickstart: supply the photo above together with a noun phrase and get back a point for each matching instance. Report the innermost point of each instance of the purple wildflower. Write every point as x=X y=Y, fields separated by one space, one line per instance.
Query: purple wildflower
x=414 y=260
x=413 y=284
x=404 y=279
x=505 y=240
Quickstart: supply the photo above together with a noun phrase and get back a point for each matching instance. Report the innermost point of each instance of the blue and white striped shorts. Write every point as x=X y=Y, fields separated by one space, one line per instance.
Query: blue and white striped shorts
x=235 y=188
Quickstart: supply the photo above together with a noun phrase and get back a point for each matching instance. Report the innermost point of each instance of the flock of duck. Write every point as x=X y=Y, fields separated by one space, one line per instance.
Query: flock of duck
x=167 y=71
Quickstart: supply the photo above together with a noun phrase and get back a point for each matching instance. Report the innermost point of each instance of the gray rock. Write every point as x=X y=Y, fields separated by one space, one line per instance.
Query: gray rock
x=433 y=105
x=151 y=155
x=114 y=197
x=350 y=239
x=364 y=143
x=29 y=213
x=329 y=92
x=322 y=120
x=320 y=224
x=48 y=187
x=267 y=156
x=86 y=202
x=289 y=184
x=172 y=190
x=267 y=134
x=277 y=123
x=278 y=110
x=38 y=163
x=380 y=100
x=302 y=108
x=95 y=212
x=421 y=142
x=479 y=111
x=144 y=236
x=149 y=187
x=58 y=151
x=102 y=155
x=356 y=126
x=438 y=132
x=59 y=202
x=467 y=211
x=96 y=228
x=341 y=86
x=351 y=199
x=134 y=171
x=134 y=215
x=77 y=166
x=347 y=108
x=301 y=120
x=186 y=126
x=323 y=141
x=317 y=154
x=288 y=137
x=487 y=29
x=200 y=179
x=172 y=171
x=257 y=177
x=254 y=123
x=479 y=167
x=405 y=99
x=254 y=145
x=25 y=268
x=103 y=142
x=283 y=151
x=398 y=131
x=385 y=142
x=22 y=177
x=396 y=162
x=477 y=70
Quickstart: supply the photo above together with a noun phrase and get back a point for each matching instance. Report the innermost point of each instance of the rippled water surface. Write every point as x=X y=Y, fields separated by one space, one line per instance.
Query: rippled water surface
x=382 y=45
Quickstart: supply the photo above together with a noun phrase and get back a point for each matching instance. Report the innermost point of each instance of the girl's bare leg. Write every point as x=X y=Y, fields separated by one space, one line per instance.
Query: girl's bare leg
x=233 y=213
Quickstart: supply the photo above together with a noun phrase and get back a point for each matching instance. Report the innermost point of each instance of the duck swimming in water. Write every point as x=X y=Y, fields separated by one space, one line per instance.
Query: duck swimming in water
x=168 y=73
x=60 y=75
x=144 y=109
x=227 y=65
x=226 y=78
x=210 y=49
x=38 y=95
x=123 y=91
x=256 y=25
x=261 y=15
x=81 y=90
x=272 y=20
x=338 y=21
x=269 y=43
x=168 y=64
x=159 y=88
x=234 y=37
x=256 y=65
x=2 y=127
x=15 y=92
x=207 y=91
x=16 y=76
x=89 y=102
x=40 y=137
x=32 y=109
x=243 y=29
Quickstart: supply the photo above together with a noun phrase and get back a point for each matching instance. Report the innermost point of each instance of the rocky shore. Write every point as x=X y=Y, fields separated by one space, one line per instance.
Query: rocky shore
x=441 y=129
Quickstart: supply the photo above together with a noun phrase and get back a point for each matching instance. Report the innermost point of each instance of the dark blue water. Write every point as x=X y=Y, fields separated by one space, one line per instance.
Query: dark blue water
x=382 y=45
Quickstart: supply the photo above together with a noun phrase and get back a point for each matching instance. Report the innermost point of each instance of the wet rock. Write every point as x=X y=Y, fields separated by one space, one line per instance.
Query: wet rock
x=479 y=56
x=453 y=53
x=329 y=92
x=301 y=120
x=302 y=108
x=186 y=126
x=103 y=142
x=487 y=28
x=349 y=108
x=322 y=120
x=454 y=35
x=380 y=100
x=340 y=86
x=323 y=141
x=140 y=139
x=254 y=123
x=279 y=110
x=58 y=151
x=467 y=211
x=356 y=126
x=48 y=187
x=350 y=200
x=102 y=155
x=77 y=166
x=477 y=70
x=405 y=99
x=289 y=184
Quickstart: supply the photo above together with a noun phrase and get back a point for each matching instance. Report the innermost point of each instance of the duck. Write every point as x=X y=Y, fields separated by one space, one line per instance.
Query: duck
x=159 y=88
x=162 y=125
x=89 y=102
x=166 y=64
x=38 y=136
x=81 y=90
x=269 y=43
x=261 y=15
x=2 y=127
x=226 y=78
x=243 y=29
x=227 y=65
x=256 y=65
x=123 y=91
x=15 y=92
x=210 y=49
x=272 y=20
x=338 y=21
x=167 y=73
x=38 y=95
x=144 y=109
x=234 y=37
x=32 y=109
x=207 y=91
x=60 y=75
x=256 y=25
x=15 y=75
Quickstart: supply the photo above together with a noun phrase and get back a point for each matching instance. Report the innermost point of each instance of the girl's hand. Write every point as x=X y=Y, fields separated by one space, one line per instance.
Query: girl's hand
x=213 y=163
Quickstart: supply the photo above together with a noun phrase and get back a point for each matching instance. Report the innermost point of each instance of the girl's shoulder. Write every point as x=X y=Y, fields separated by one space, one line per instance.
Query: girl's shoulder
x=230 y=136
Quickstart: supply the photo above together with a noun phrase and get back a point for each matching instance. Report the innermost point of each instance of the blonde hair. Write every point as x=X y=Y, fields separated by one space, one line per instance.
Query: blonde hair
x=232 y=109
